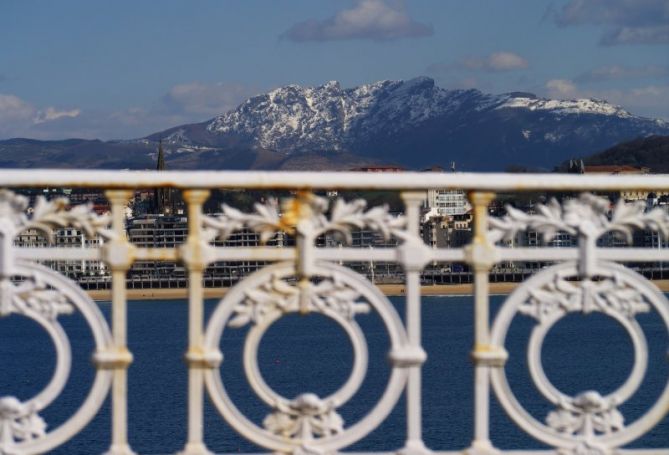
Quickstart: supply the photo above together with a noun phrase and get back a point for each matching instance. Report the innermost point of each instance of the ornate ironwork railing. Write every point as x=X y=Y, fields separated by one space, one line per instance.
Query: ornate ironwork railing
x=305 y=278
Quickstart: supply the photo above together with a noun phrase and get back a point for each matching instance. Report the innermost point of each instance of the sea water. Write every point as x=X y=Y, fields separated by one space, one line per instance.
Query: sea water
x=312 y=354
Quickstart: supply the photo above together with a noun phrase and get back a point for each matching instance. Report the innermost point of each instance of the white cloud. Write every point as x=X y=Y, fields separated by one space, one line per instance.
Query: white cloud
x=658 y=34
x=504 y=61
x=648 y=100
x=184 y=103
x=51 y=113
x=206 y=99
x=619 y=72
x=367 y=19
x=627 y=21
x=13 y=108
x=651 y=100
x=493 y=63
x=561 y=88
x=19 y=118
x=466 y=83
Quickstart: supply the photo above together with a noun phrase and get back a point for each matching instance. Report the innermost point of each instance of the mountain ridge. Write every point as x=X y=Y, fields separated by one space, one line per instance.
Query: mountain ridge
x=414 y=123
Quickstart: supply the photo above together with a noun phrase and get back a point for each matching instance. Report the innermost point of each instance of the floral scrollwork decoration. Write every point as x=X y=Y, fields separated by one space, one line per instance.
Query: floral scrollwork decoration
x=586 y=414
x=306 y=417
x=264 y=221
x=48 y=215
x=607 y=295
x=32 y=295
x=19 y=421
x=278 y=295
x=348 y=215
x=587 y=448
x=306 y=214
x=587 y=215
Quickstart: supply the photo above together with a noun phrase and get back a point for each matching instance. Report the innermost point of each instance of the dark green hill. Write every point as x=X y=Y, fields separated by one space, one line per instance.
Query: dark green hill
x=651 y=152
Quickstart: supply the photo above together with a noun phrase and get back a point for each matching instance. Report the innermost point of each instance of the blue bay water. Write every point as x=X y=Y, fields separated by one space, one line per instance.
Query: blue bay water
x=300 y=354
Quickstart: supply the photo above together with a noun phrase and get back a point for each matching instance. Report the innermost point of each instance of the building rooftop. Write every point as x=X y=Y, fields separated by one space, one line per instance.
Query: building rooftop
x=615 y=169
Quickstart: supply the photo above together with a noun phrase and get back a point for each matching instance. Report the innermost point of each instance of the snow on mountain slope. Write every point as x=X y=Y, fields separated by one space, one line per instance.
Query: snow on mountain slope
x=328 y=117
x=578 y=106
x=295 y=117
x=415 y=123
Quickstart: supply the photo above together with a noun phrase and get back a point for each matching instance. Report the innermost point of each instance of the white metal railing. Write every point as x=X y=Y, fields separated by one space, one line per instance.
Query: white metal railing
x=306 y=278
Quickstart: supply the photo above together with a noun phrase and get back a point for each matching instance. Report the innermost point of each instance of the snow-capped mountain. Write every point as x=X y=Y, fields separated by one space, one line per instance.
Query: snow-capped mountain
x=295 y=118
x=414 y=123
x=417 y=123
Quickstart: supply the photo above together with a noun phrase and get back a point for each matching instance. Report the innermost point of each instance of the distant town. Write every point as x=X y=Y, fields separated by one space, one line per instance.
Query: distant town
x=156 y=219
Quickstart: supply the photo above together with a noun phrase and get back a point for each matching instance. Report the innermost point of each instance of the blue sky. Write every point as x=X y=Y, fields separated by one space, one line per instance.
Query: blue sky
x=124 y=69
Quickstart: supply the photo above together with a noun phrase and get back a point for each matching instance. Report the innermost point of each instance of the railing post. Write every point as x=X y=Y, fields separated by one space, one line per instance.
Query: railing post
x=481 y=256
x=413 y=260
x=193 y=254
x=119 y=255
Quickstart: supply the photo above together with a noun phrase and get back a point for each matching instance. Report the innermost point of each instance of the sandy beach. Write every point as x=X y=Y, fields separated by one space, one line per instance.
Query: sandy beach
x=387 y=289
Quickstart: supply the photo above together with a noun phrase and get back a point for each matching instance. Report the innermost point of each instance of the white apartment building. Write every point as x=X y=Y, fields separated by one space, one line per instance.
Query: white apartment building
x=440 y=203
x=68 y=238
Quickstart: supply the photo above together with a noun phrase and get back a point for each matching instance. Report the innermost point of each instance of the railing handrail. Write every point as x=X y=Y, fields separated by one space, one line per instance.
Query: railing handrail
x=307 y=276
x=330 y=180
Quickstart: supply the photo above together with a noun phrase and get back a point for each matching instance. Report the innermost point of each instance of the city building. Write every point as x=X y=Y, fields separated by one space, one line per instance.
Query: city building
x=90 y=274
x=450 y=228
x=444 y=202
x=163 y=231
x=379 y=168
x=577 y=167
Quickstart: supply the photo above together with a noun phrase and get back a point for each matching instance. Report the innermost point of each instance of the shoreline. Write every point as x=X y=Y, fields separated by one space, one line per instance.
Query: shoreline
x=387 y=289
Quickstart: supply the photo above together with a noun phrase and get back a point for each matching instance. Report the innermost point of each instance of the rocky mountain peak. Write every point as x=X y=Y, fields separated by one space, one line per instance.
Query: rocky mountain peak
x=417 y=115
x=293 y=117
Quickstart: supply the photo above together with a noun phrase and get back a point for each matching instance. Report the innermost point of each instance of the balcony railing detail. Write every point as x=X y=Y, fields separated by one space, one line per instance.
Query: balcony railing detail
x=588 y=422
x=36 y=292
x=307 y=278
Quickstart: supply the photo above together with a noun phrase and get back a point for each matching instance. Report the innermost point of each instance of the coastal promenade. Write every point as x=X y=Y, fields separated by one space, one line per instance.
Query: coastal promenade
x=387 y=289
x=305 y=277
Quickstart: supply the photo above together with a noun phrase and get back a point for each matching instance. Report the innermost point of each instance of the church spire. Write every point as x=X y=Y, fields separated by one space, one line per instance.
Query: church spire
x=163 y=198
x=161 y=156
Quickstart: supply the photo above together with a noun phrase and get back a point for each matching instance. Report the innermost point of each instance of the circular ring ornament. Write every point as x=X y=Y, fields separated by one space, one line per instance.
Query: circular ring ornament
x=306 y=422
x=273 y=399
x=42 y=296
x=620 y=395
x=587 y=421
